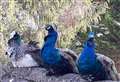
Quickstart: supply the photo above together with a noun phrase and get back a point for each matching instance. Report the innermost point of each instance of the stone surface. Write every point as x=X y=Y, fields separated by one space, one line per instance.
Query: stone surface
x=36 y=74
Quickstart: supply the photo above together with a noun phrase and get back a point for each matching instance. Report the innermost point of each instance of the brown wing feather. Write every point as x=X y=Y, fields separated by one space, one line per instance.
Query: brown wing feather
x=34 y=50
x=70 y=53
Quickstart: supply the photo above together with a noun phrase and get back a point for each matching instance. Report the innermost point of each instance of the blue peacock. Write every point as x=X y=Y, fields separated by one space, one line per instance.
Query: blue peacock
x=57 y=62
x=88 y=64
x=95 y=66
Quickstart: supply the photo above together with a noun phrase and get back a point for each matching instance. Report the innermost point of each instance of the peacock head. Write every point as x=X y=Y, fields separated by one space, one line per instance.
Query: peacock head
x=51 y=27
x=14 y=39
x=91 y=35
x=13 y=42
x=90 y=41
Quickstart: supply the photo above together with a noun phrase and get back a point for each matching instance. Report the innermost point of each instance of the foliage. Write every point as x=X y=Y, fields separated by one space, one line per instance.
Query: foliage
x=111 y=20
x=28 y=16
x=77 y=14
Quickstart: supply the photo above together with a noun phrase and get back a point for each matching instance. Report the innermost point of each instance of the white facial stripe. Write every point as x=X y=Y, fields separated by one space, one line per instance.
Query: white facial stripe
x=12 y=34
x=48 y=27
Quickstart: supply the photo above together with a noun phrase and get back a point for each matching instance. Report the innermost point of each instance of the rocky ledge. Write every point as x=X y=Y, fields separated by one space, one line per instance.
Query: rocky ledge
x=10 y=74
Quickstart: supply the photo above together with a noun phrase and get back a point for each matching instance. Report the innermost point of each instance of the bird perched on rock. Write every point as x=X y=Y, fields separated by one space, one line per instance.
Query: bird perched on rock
x=57 y=61
x=23 y=54
x=88 y=64
x=91 y=61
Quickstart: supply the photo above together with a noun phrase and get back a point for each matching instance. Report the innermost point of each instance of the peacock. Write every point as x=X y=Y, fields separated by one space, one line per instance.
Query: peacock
x=56 y=60
x=23 y=54
x=94 y=66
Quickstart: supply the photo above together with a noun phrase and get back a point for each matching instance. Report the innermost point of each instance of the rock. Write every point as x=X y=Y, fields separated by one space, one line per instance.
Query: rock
x=35 y=74
x=21 y=72
x=72 y=78
x=1 y=71
x=14 y=80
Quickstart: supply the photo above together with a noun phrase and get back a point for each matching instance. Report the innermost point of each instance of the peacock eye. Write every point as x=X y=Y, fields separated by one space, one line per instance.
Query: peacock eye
x=6 y=53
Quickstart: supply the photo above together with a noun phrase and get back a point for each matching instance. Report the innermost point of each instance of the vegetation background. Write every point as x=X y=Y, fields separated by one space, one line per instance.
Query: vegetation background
x=74 y=18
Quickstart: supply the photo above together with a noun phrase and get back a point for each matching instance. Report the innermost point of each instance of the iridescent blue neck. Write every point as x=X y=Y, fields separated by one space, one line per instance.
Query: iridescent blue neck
x=18 y=41
x=90 y=43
